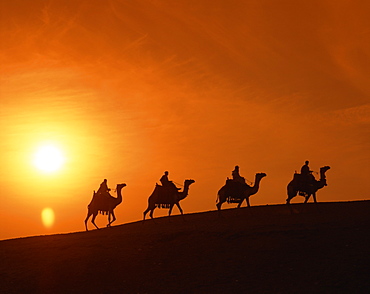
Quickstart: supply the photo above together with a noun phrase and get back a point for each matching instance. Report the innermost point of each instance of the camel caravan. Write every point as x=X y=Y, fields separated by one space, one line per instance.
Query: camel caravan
x=166 y=195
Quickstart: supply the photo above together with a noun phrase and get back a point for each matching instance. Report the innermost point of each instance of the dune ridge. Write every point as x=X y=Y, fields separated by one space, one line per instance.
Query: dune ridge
x=320 y=248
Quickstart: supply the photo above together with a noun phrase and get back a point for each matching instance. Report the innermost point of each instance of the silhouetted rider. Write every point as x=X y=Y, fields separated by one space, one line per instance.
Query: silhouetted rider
x=103 y=189
x=166 y=182
x=305 y=169
x=307 y=178
x=236 y=176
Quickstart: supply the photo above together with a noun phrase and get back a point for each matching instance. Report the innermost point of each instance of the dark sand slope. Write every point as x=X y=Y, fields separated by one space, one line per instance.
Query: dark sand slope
x=265 y=249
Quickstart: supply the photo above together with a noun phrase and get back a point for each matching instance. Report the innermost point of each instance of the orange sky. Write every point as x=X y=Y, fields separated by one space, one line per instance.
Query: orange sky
x=130 y=89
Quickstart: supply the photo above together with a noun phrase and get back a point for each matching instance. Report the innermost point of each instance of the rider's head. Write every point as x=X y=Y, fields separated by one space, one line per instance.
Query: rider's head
x=307 y=162
x=166 y=172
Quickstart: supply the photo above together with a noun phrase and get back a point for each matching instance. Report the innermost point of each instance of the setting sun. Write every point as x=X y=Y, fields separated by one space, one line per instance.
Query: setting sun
x=48 y=158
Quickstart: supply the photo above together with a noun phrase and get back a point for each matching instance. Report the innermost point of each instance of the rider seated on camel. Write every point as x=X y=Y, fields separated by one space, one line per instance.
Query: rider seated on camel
x=166 y=183
x=103 y=189
x=237 y=177
x=307 y=178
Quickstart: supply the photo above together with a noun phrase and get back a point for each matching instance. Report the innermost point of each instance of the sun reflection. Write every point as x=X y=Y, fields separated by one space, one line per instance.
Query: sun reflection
x=47 y=216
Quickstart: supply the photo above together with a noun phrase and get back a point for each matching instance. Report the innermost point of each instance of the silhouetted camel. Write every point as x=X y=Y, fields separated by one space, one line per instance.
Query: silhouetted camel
x=293 y=187
x=156 y=199
x=103 y=204
x=236 y=192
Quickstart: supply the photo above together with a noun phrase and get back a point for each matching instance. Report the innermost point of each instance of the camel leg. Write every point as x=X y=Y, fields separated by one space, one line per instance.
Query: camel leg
x=288 y=203
x=170 y=210
x=306 y=198
x=181 y=211
x=149 y=208
x=291 y=193
x=114 y=218
x=219 y=204
x=145 y=212
x=87 y=218
x=315 y=202
x=291 y=196
x=248 y=203
x=240 y=203
x=179 y=207
x=108 y=225
x=221 y=199
x=93 y=220
x=151 y=212
x=314 y=198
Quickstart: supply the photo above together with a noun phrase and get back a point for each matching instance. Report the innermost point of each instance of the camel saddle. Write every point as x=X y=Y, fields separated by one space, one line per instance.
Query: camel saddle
x=233 y=200
x=303 y=183
x=165 y=196
x=235 y=190
x=102 y=201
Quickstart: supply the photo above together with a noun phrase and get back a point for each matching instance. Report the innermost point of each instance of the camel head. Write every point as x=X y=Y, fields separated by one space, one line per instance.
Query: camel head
x=120 y=186
x=324 y=168
x=322 y=174
x=260 y=175
x=189 y=182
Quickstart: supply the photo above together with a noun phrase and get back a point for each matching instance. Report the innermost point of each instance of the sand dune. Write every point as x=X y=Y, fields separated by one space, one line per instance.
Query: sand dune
x=264 y=249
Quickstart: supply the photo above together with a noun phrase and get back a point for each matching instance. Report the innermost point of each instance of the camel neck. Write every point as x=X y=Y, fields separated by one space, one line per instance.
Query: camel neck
x=256 y=182
x=119 y=195
x=322 y=175
x=184 y=193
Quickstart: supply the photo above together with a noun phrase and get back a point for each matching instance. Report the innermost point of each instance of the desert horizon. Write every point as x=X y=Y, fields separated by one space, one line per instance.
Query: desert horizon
x=162 y=213
x=319 y=248
x=126 y=90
